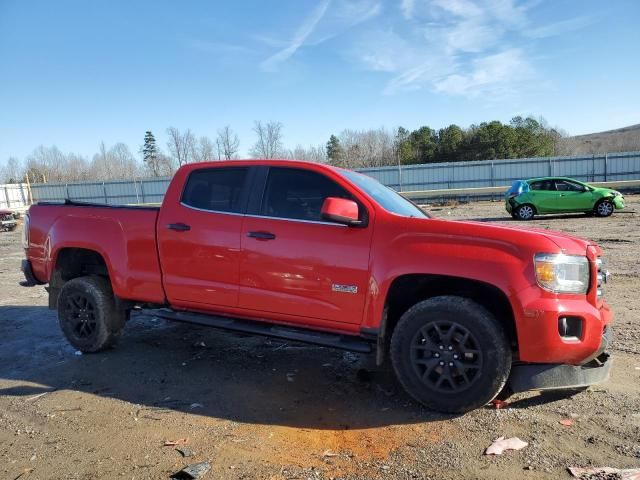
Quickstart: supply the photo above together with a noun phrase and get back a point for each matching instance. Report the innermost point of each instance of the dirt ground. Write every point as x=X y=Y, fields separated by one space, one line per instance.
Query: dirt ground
x=262 y=408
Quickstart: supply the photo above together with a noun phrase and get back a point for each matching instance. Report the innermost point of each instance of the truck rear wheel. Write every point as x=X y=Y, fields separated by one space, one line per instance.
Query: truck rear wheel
x=87 y=314
x=450 y=354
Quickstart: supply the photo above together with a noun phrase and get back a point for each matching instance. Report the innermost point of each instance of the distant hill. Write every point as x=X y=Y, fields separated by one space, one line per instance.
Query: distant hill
x=625 y=139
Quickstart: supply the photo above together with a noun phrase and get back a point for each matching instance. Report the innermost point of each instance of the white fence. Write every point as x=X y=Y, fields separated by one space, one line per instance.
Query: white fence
x=14 y=196
x=444 y=177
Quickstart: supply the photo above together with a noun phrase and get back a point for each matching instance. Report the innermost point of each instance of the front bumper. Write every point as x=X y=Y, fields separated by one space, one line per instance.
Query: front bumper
x=557 y=377
x=618 y=202
x=538 y=319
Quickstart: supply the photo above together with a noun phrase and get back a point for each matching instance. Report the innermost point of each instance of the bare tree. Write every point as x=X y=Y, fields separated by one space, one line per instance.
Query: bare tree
x=12 y=172
x=181 y=145
x=316 y=154
x=123 y=161
x=47 y=164
x=269 y=143
x=368 y=148
x=228 y=143
x=204 y=150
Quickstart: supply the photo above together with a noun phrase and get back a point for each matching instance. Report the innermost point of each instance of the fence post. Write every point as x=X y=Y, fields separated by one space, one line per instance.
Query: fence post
x=142 y=190
x=399 y=177
x=135 y=187
x=104 y=192
x=606 y=165
x=66 y=190
x=493 y=181
x=550 y=167
x=6 y=194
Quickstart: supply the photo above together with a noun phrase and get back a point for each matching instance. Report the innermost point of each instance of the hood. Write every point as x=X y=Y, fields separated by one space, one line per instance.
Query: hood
x=606 y=191
x=526 y=236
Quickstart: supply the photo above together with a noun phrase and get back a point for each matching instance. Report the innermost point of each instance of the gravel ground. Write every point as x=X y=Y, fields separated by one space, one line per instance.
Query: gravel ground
x=262 y=408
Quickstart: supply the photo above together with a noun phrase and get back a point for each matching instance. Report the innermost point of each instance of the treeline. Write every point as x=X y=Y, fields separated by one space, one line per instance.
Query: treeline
x=50 y=164
x=521 y=138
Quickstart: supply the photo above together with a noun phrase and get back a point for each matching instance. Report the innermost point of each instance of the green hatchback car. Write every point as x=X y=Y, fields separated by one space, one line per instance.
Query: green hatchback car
x=527 y=198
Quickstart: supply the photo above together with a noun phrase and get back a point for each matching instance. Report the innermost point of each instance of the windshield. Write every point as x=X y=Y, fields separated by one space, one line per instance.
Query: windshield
x=388 y=199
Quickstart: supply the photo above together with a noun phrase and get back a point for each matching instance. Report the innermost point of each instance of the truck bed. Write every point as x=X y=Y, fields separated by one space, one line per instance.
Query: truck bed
x=124 y=235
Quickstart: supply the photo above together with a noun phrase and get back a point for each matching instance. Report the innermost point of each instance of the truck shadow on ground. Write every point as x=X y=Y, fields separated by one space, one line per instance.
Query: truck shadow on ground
x=161 y=365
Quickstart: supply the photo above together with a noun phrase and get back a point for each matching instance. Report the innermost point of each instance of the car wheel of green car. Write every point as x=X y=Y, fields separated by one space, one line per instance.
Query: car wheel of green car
x=604 y=208
x=525 y=212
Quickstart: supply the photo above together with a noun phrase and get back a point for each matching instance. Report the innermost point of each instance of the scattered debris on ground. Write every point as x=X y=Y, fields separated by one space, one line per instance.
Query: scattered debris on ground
x=193 y=471
x=605 y=473
x=112 y=412
x=502 y=444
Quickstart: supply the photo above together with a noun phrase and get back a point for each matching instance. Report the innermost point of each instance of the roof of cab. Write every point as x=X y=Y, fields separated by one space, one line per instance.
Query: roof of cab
x=273 y=162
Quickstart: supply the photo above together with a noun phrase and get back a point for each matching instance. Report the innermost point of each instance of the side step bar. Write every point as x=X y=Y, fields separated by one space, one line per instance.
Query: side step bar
x=344 y=342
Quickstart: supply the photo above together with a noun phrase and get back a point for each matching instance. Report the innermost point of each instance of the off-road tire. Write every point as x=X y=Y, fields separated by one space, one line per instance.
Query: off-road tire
x=87 y=314
x=604 y=208
x=487 y=334
x=525 y=212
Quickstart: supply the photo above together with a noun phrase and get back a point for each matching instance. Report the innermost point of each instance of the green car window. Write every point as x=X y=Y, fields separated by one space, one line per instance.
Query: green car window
x=547 y=185
x=567 y=186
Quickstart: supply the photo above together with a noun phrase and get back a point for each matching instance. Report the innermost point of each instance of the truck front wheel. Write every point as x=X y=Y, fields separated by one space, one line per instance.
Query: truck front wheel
x=450 y=354
x=87 y=314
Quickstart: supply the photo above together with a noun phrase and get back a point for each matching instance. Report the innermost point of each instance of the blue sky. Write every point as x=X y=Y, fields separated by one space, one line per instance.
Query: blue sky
x=74 y=73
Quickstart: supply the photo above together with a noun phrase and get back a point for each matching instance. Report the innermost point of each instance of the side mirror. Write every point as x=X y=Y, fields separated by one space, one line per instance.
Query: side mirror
x=340 y=210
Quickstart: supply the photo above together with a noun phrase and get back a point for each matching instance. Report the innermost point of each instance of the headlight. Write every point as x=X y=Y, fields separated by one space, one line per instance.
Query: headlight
x=561 y=273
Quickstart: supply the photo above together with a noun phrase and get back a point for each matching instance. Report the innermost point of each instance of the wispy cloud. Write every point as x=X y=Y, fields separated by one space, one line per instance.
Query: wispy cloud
x=334 y=18
x=457 y=47
x=304 y=30
x=558 y=28
x=490 y=75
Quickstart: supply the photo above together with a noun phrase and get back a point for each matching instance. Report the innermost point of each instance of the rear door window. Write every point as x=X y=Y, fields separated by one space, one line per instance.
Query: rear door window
x=216 y=189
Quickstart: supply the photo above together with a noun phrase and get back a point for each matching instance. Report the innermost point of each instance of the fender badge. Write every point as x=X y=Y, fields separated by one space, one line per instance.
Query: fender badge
x=336 y=287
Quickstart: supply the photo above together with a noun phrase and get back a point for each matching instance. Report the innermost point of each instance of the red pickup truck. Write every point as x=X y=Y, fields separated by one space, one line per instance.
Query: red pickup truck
x=304 y=251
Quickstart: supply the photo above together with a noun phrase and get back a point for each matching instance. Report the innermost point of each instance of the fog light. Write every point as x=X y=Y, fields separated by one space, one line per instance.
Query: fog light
x=570 y=327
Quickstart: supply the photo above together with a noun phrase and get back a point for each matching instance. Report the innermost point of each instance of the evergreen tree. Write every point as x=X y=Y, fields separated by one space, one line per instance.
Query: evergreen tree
x=450 y=142
x=150 y=153
x=403 y=147
x=425 y=143
x=334 y=151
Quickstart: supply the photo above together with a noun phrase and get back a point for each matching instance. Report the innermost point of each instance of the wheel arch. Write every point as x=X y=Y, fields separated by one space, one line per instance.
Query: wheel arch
x=408 y=289
x=72 y=262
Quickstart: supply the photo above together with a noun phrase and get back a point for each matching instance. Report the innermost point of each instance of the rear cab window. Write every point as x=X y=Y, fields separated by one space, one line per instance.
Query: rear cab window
x=216 y=189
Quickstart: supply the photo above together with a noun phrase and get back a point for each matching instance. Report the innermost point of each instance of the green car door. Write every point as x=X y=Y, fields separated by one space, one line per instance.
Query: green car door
x=572 y=197
x=543 y=195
